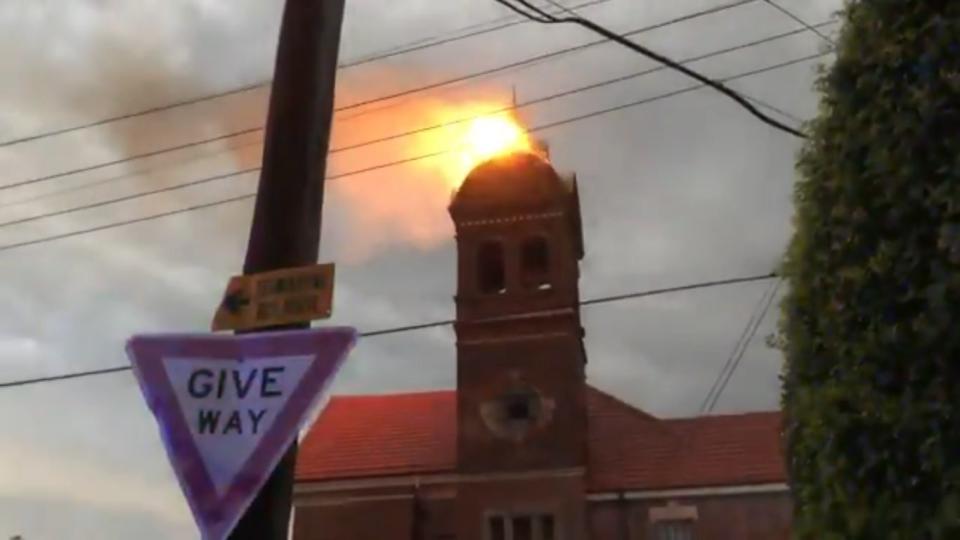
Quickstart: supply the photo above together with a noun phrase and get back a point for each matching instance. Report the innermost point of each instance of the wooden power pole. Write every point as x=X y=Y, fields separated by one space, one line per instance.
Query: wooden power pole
x=286 y=222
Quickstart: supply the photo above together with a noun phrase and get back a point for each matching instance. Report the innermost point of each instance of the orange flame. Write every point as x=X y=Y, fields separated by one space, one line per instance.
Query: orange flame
x=490 y=136
x=407 y=205
x=473 y=133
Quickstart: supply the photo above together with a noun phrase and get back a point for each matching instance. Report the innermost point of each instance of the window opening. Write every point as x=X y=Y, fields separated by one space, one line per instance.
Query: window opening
x=490 y=269
x=535 y=264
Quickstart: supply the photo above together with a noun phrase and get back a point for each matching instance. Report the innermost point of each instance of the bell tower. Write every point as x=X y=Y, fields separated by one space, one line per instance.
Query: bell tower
x=520 y=356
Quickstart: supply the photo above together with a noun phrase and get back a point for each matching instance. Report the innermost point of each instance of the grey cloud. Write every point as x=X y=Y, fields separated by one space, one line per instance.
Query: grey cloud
x=69 y=520
x=687 y=189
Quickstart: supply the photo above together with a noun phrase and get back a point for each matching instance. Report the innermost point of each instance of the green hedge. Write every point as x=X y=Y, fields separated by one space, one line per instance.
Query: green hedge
x=871 y=325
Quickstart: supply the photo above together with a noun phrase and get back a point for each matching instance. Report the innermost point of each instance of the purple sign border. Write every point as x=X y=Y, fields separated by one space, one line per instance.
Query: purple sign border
x=328 y=346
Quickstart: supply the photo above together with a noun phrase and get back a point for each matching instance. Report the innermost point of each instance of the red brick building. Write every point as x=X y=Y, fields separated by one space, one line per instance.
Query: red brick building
x=524 y=448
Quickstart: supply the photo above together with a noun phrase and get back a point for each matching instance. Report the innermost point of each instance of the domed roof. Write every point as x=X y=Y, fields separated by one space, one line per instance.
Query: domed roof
x=511 y=183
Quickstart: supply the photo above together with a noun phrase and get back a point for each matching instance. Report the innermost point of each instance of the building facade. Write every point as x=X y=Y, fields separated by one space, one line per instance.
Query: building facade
x=524 y=448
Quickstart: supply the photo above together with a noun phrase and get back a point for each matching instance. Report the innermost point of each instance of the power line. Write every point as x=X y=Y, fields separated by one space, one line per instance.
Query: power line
x=189 y=208
x=457 y=36
x=134 y=174
x=127 y=116
x=433 y=86
x=743 y=349
x=133 y=221
x=563 y=8
x=415 y=158
x=125 y=198
x=543 y=17
x=807 y=25
x=410 y=328
x=758 y=101
x=407 y=133
x=743 y=100
x=65 y=377
x=681 y=288
x=447 y=124
x=754 y=313
x=534 y=60
x=592 y=86
x=677 y=92
x=773 y=108
x=394 y=101
x=417 y=45
x=128 y=159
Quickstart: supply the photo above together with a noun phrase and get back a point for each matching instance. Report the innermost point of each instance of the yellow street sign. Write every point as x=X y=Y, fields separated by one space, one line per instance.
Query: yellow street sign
x=291 y=295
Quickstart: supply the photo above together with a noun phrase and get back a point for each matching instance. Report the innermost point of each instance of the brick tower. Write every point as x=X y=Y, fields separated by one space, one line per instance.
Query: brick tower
x=520 y=358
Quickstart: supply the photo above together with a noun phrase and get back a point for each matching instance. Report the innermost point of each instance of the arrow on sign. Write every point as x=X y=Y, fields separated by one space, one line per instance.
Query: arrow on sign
x=228 y=407
x=276 y=298
x=235 y=301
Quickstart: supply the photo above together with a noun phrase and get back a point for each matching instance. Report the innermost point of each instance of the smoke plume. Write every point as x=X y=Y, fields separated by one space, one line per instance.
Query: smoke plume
x=122 y=60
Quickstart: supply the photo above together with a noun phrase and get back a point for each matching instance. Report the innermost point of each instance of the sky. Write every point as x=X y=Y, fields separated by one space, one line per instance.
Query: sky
x=680 y=190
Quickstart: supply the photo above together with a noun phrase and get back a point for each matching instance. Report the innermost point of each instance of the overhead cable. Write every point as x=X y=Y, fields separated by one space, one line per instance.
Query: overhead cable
x=734 y=361
x=421 y=157
x=410 y=328
x=355 y=146
x=805 y=24
x=544 y=17
x=416 y=45
x=526 y=62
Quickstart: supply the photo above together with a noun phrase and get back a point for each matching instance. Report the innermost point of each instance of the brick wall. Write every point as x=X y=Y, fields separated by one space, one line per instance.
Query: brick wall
x=458 y=513
x=740 y=517
x=375 y=514
x=554 y=368
x=448 y=512
x=560 y=496
x=359 y=520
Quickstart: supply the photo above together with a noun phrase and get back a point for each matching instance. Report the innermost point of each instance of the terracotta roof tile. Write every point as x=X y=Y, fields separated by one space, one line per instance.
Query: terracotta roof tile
x=361 y=436
x=366 y=436
x=717 y=446
x=627 y=447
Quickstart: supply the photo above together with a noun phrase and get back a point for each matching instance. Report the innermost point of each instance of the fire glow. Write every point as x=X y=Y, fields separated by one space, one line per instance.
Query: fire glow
x=407 y=204
x=473 y=133
x=490 y=136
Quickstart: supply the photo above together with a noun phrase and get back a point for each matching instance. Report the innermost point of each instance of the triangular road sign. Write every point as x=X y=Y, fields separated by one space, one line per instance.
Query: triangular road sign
x=228 y=407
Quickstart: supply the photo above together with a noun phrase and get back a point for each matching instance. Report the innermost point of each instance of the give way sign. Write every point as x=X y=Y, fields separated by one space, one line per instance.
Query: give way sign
x=228 y=407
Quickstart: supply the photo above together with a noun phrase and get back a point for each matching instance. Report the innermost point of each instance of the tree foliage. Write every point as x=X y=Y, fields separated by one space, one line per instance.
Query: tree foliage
x=871 y=325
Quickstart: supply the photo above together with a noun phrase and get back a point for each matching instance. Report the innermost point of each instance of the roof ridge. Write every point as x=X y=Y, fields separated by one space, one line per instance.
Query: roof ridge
x=700 y=417
x=621 y=403
x=636 y=411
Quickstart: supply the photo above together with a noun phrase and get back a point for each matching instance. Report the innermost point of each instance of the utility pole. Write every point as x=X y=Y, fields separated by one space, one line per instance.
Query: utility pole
x=286 y=223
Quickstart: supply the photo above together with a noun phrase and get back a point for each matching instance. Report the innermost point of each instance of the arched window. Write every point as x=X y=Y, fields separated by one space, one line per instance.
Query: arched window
x=491 y=278
x=535 y=264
